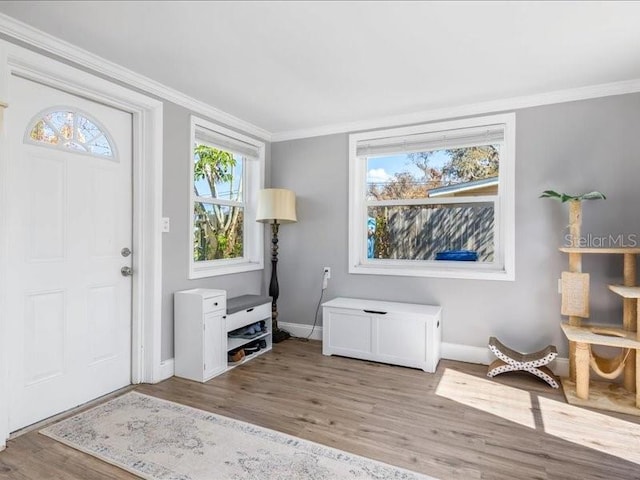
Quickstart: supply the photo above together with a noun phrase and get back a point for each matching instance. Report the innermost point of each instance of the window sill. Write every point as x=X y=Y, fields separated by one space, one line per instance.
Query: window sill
x=463 y=272
x=228 y=269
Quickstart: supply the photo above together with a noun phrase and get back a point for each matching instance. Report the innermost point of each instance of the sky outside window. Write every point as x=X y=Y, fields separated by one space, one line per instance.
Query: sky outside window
x=383 y=169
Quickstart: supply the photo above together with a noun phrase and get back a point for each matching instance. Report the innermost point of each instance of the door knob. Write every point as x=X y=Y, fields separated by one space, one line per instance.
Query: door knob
x=126 y=271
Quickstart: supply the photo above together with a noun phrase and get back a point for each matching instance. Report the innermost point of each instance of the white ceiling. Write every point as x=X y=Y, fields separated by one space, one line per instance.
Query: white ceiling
x=287 y=66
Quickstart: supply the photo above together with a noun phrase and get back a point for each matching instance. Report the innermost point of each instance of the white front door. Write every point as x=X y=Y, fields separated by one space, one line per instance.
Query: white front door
x=70 y=215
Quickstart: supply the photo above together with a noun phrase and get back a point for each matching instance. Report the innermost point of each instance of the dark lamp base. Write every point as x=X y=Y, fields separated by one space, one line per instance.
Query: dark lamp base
x=280 y=336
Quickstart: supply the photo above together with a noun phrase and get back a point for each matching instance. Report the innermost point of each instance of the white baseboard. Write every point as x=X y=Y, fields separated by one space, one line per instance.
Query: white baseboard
x=166 y=369
x=449 y=351
x=560 y=366
x=482 y=355
x=300 y=330
x=465 y=353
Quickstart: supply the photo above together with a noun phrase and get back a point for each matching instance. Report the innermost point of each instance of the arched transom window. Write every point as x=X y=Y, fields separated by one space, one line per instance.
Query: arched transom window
x=69 y=129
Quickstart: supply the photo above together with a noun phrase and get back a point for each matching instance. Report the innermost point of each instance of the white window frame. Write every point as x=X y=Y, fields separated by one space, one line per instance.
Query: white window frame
x=503 y=267
x=253 y=171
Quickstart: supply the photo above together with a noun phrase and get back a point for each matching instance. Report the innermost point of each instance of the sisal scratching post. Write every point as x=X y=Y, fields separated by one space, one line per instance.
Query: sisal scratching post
x=582 y=370
x=575 y=266
x=629 y=315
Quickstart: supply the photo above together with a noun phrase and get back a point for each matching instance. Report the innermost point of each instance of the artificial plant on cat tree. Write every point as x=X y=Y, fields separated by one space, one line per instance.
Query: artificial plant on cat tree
x=575 y=210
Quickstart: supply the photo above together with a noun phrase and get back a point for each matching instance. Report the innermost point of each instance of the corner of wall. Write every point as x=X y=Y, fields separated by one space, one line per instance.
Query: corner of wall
x=300 y=330
x=166 y=369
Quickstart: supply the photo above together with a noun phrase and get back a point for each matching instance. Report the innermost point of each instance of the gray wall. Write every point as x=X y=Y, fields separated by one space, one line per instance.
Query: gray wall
x=571 y=147
x=176 y=244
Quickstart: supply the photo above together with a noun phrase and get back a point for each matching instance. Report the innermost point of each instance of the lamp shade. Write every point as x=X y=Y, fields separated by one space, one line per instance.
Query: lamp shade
x=276 y=204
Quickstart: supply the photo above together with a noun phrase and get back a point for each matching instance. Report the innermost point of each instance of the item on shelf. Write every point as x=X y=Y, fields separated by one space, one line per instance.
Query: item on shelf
x=237 y=355
x=250 y=331
x=253 y=347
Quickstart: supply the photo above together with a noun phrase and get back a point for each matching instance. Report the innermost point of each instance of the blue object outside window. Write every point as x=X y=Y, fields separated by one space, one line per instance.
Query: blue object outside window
x=458 y=255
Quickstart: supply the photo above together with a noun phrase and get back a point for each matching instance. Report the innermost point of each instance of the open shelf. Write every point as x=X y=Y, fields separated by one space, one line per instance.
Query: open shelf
x=619 y=250
x=233 y=343
x=231 y=365
x=625 y=292
x=242 y=312
x=607 y=335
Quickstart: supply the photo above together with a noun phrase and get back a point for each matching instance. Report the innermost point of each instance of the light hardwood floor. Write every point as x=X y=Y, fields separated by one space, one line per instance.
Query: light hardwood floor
x=455 y=424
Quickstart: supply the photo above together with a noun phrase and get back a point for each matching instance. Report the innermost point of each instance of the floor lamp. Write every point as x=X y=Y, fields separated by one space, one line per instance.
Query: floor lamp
x=276 y=206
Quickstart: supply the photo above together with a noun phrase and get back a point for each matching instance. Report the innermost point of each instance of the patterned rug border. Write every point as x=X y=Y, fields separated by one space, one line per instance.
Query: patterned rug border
x=88 y=451
x=222 y=418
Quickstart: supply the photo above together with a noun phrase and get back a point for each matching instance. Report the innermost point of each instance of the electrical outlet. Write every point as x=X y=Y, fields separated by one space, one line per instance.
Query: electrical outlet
x=166 y=225
x=325 y=277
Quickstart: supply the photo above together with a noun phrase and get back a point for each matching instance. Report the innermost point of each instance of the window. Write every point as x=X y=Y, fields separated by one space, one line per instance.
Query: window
x=434 y=200
x=69 y=129
x=227 y=171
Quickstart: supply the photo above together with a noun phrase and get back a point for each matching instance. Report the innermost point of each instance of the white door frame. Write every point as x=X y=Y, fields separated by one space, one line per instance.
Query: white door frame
x=147 y=205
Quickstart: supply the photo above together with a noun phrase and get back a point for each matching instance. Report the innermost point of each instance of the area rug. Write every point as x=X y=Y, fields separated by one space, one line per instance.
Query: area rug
x=161 y=440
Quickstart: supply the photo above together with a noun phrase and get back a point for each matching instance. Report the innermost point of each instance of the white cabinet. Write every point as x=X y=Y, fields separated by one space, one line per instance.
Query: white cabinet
x=398 y=333
x=203 y=319
x=200 y=334
x=214 y=352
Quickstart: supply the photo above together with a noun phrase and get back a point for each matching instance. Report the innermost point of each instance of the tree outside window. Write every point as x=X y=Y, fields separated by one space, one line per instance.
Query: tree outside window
x=219 y=209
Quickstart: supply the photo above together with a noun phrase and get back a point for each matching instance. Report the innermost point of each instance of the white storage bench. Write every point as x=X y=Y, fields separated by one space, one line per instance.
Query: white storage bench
x=203 y=319
x=404 y=334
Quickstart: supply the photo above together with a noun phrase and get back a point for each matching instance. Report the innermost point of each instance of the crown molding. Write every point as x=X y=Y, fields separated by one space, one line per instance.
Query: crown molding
x=508 y=104
x=13 y=29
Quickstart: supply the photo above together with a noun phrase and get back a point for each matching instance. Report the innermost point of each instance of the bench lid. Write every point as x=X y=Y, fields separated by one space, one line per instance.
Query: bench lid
x=243 y=302
x=382 y=306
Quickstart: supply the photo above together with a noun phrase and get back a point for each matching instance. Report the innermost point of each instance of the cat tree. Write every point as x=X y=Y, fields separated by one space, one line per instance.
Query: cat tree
x=579 y=389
